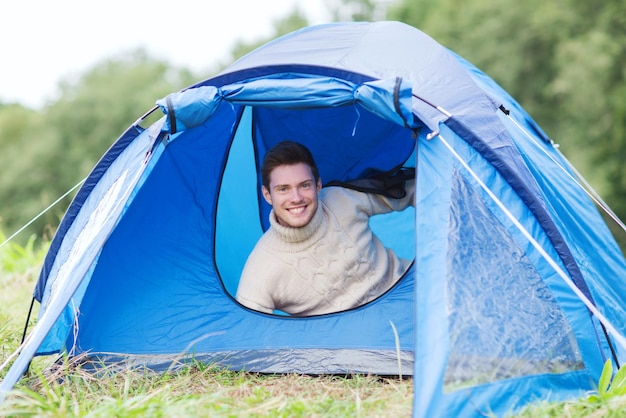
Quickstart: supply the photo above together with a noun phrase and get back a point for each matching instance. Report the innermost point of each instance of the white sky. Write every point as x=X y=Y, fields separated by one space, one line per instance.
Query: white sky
x=44 y=41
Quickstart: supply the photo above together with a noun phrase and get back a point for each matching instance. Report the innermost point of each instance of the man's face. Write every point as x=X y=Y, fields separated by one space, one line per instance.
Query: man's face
x=293 y=194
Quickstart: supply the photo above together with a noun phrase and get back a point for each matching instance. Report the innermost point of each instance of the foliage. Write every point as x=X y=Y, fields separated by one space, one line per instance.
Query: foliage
x=19 y=266
x=15 y=258
x=608 y=401
x=610 y=386
x=45 y=153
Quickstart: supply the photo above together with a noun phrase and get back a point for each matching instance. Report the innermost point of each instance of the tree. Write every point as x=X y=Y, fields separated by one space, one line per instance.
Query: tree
x=51 y=151
x=19 y=150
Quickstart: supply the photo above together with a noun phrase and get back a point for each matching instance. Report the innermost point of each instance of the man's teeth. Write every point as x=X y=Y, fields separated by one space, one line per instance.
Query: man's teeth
x=297 y=211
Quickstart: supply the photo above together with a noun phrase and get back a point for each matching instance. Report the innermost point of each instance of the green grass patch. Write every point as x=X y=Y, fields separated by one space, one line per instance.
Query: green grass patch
x=204 y=391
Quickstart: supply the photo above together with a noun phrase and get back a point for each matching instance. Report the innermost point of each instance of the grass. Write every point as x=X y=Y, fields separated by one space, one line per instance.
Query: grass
x=62 y=389
x=205 y=391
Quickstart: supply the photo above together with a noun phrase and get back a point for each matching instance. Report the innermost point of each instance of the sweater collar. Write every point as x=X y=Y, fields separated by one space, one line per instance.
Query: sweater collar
x=299 y=234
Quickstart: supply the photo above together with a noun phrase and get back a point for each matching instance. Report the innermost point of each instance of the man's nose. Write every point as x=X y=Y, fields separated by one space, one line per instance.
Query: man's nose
x=296 y=194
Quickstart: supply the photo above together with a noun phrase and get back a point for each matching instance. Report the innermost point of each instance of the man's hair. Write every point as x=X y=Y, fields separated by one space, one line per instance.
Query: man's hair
x=287 y=153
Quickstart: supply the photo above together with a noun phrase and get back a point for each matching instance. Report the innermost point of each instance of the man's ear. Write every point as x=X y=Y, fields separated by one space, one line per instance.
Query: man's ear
x=266 y=195
x=319 y=184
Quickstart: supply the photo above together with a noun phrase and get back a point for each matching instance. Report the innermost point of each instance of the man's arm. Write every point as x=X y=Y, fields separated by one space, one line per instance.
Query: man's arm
x=383 y=204
x=253 y=290
x=379 y=204
x=252 y=304
x=347 y=202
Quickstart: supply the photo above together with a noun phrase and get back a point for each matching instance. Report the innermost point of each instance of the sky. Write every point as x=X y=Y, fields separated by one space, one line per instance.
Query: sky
x=43 y=42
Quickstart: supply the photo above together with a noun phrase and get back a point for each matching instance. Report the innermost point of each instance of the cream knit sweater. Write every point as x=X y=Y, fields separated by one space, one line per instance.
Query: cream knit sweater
x=332 y=264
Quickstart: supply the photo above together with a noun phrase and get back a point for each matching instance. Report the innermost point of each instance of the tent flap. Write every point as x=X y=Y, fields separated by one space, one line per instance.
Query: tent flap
x=390 y=99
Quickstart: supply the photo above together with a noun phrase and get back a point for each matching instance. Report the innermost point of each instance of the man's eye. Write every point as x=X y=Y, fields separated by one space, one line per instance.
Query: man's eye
x=282 y=189
x=306 y=186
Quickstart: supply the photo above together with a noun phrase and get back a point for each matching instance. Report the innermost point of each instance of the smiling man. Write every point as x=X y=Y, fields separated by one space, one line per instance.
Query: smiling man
x=319 y=254
x=293 y=193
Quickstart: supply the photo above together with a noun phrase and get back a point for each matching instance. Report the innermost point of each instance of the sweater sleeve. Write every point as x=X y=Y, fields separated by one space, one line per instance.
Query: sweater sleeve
x=368 y=203
x=382 y=204
x=255 y=285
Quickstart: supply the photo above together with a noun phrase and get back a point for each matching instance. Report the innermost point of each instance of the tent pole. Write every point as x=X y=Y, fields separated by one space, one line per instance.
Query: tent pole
x=30 y=311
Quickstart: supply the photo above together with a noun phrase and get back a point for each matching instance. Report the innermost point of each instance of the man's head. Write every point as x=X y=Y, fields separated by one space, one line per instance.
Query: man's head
x=287 y=153
x=291 y=183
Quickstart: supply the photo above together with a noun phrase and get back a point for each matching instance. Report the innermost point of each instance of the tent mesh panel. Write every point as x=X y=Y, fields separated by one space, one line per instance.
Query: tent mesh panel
x=504 y=321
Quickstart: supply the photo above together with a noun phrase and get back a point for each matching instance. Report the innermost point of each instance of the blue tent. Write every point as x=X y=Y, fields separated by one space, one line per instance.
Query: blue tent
x=517 y=289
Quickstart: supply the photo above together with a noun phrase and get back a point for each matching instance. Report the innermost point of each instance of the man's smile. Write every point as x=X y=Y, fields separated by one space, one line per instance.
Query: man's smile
x=297 y=210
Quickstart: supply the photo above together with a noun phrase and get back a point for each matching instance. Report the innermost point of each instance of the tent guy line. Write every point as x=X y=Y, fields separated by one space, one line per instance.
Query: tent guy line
x=584 y=186
x=43 y=212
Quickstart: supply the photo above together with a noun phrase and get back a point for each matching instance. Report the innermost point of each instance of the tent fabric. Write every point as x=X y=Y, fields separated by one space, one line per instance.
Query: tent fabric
x=193 y=107
x=146 y=261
